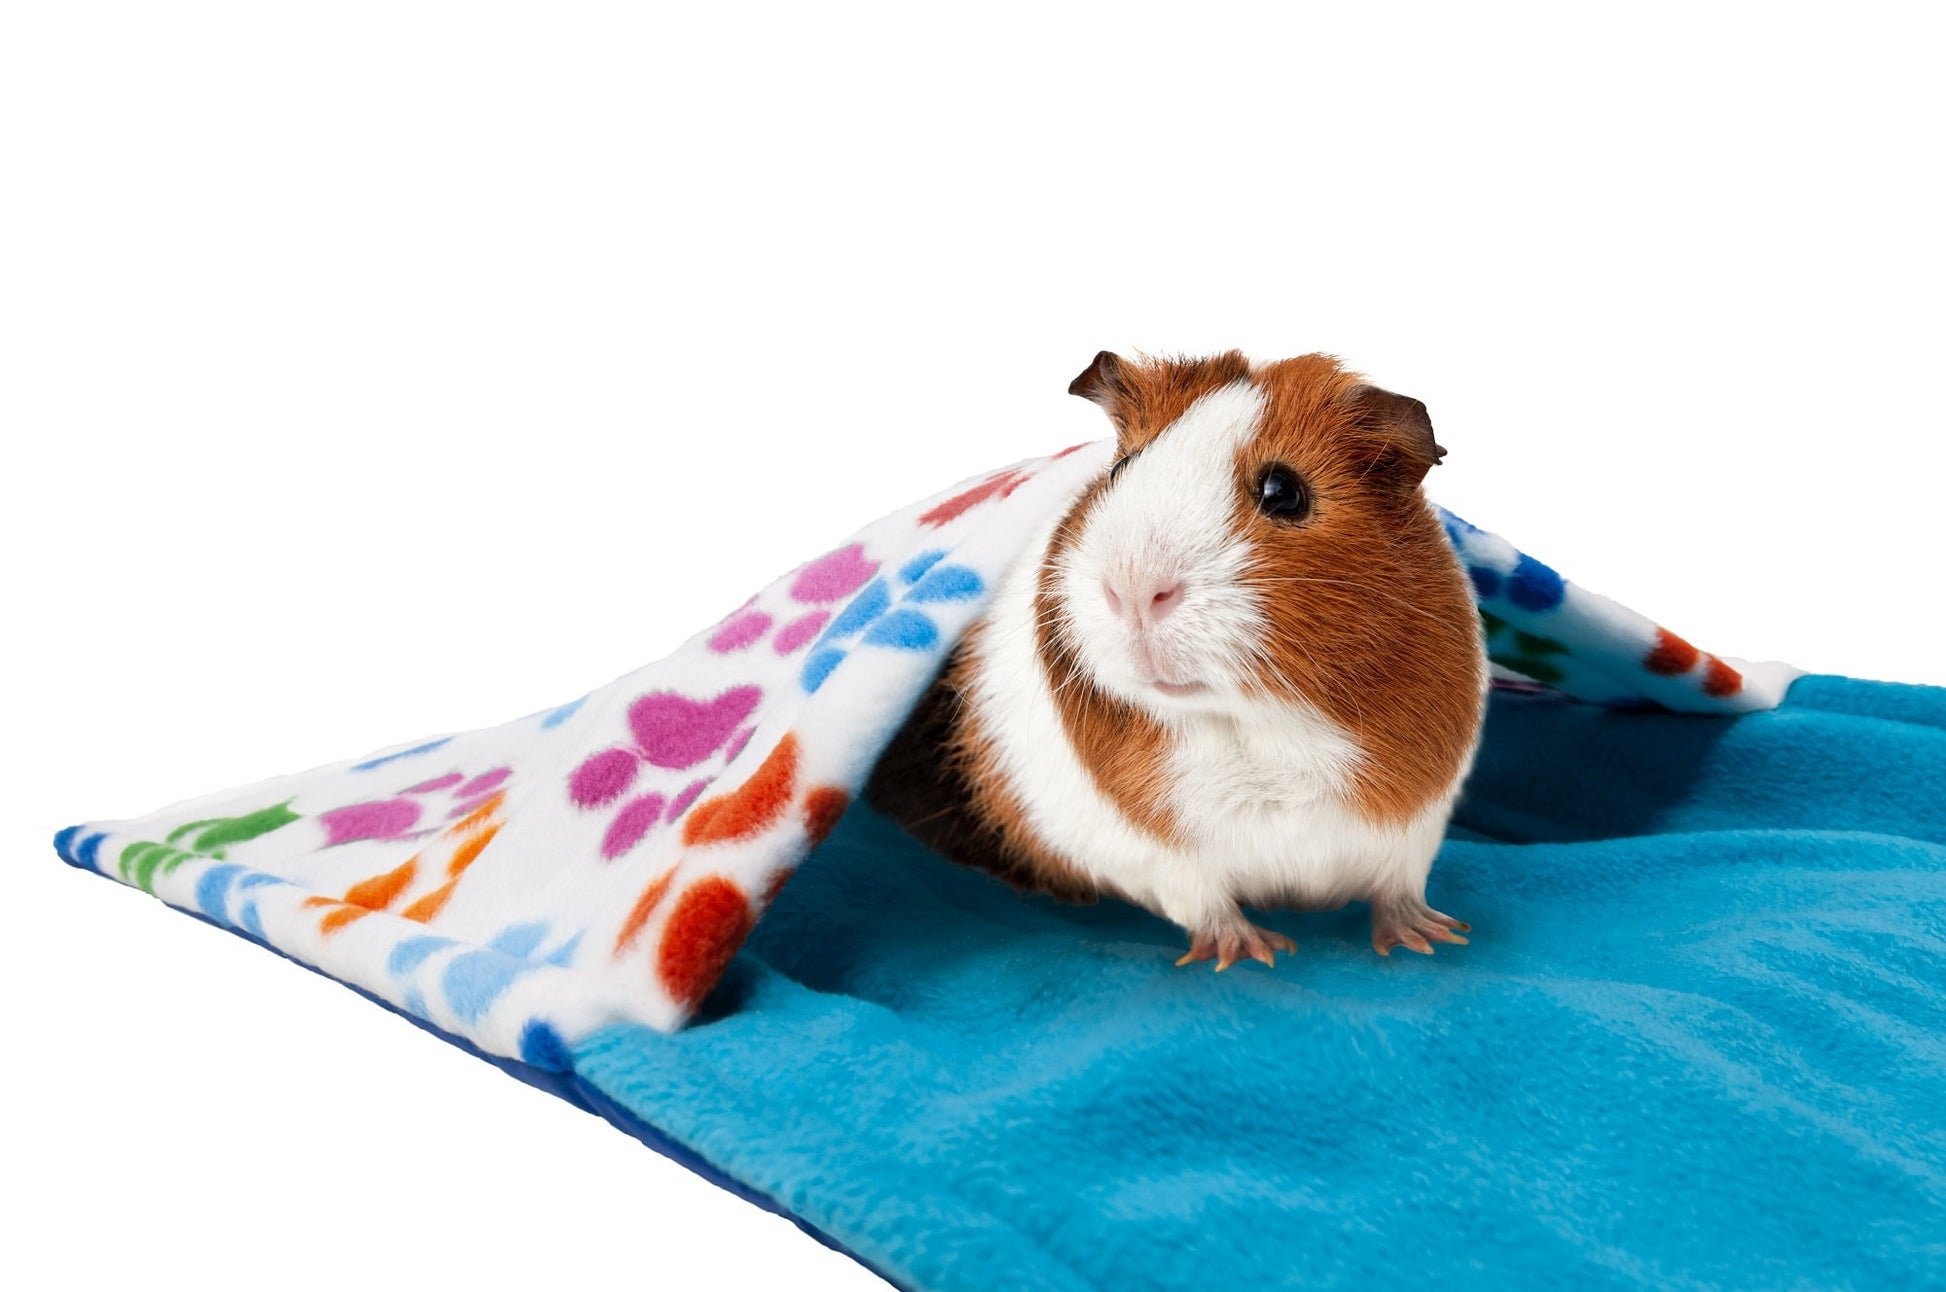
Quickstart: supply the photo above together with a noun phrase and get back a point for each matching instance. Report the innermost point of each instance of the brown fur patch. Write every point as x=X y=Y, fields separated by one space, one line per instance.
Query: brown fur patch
x=1370 y=616
x=1143 y=397
x=1124 y=749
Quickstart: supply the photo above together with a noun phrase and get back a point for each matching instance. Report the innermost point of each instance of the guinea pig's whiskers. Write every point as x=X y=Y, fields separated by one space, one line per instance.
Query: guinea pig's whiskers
x=1057 y=619
x=1393 y=597
x=1346 y=691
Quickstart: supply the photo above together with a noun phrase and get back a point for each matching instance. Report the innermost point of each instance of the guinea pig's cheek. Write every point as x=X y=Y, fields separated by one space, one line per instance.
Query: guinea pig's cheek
x=1117 y=658
x=1086 y=620
x=1113 y=655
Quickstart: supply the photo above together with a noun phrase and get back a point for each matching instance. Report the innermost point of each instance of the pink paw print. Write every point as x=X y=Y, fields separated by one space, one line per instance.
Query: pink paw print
x=829 y=579
x=398 y=818
x=670 y=731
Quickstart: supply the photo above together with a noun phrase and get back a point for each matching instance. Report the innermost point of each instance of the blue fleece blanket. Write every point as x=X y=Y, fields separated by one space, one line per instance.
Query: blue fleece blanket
x=1697 y=1041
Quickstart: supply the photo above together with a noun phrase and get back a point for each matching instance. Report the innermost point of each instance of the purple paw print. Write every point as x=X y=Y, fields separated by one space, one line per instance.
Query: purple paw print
x=397 y=818
x=831 y=578
x=671 y=731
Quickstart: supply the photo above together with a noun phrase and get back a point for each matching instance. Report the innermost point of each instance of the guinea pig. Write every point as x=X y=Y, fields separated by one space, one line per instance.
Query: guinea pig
x=1244 y=668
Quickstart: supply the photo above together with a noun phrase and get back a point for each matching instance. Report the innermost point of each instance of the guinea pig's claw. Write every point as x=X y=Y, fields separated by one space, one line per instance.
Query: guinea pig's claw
x=1415 y=927
x=1230 y=946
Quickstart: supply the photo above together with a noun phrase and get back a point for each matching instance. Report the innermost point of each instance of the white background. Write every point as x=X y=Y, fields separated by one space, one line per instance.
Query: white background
x=379 y=370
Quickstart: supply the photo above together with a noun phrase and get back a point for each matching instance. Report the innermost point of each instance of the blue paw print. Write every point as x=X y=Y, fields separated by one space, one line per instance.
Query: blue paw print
x=1531 y=586
x=413 y=752
x=555 y=717
x=473 y=980
x=878 y=616
x=214 y=889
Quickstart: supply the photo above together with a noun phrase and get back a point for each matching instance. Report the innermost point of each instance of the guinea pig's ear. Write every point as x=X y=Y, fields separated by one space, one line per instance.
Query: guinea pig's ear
x=1103 y=384
x=1406 y=428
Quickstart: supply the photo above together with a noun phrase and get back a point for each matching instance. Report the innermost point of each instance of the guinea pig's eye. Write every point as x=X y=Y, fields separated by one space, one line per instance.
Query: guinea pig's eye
x=1281 y=494
x=1117 y=468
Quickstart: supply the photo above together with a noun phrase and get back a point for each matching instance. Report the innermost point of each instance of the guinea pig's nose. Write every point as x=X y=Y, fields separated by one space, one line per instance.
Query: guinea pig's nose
x=1150 y=600
x=1114 y=602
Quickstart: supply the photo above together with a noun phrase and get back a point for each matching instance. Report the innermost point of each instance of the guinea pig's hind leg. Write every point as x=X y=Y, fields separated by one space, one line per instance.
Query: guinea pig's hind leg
x=1403 y=920
x=1235 y=938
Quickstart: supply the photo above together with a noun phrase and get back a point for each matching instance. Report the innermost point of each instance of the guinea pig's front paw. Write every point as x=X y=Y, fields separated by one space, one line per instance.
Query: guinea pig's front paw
x=1409 y=922
x=1237 y=940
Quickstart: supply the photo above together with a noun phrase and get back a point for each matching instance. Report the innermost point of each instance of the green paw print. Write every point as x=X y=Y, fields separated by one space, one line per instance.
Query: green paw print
x=142 y=861
x=1525 y=653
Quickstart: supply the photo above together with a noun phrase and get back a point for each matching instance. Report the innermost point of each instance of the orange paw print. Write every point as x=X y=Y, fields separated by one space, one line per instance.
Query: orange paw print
x=712 y=916
x=432 y=873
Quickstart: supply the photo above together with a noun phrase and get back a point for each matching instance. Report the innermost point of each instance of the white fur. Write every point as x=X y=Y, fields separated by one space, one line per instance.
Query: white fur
x=1170 y=516
x=1260 y=787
